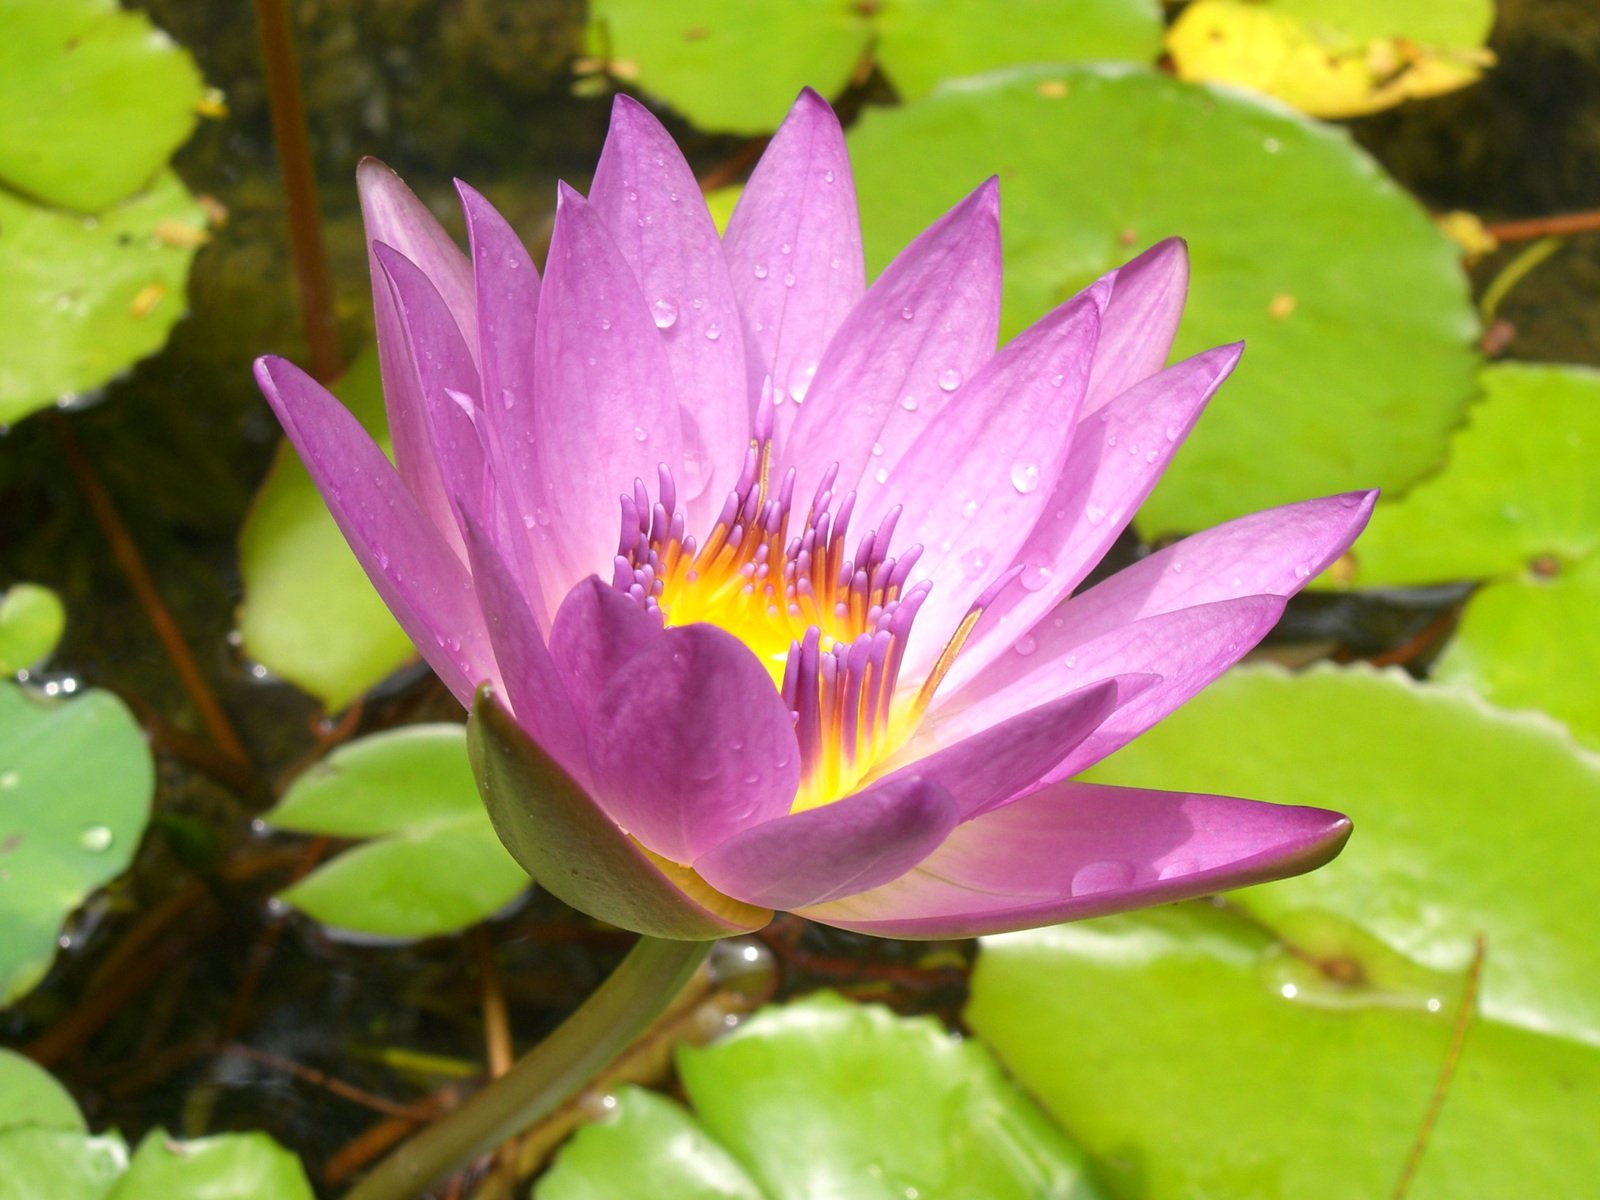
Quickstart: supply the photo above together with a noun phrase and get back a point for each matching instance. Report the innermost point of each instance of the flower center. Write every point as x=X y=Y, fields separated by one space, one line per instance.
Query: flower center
x=829 y=627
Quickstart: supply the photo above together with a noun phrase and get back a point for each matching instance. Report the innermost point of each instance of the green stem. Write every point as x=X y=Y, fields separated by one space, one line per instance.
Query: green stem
x=551 y=1073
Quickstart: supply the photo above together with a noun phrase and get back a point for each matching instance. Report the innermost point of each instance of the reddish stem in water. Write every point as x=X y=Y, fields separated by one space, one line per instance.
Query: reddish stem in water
x=289 y=132
x=1557 y=225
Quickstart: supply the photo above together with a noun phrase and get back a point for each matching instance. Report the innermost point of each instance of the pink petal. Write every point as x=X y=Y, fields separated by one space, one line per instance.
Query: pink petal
x=1140 y=322
x=848 y=846
x=605 y=412
x=397 y=218
x=794 y=252
x=976 y=480
x=935 y=309
x=1112 y=465
x=651 y=202
x=596 y=631
x=1079 y=850
x=690 y=743
x=416 y=573
x=448 y=381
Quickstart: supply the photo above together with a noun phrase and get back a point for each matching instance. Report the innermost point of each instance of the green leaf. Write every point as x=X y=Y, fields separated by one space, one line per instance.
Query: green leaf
x=309 y=613
x=93 y=100
x=32 y=620
x=738 y=67
x=1533 y=642
x=235 y=1166
x=434 y=866
x=1177 y=1048
x=1520 y=485
x=36 y=1164
x=822 y=1097
x=75 y=786
x=86 y=297
x=30 y=1096
x=1468 y=820
x=1354 y=307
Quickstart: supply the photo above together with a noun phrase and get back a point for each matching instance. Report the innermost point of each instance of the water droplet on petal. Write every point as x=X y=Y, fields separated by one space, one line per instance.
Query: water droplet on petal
x=1302 y=571
x=1172 y=432
x=542 y=516
x=1151 y=456
x=1025 y=477
x=827 y=176
x=788 y=279
x=882 y=475
x=1026 y=645
x=1177 y=566
x=877 y=449
x=907 y=313
x=639 y=434
x=605 y=322
x=1106 y=876
x=1033 y=578
x=1057 y=380
x=969 y=509
x=949 y=379
x=713 y=331
x=96 y=839
x=665 y=313
x=761 y=271
x=909 y=403
x=800 y=382
x=974 y=563
x=1095 y=513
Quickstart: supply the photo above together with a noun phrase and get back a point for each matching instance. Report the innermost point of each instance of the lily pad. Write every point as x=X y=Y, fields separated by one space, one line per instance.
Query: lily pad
x=31 y=1097
x=826 y=1098
x=309 y=614
x=75 y=786
x=1534 y=642
x=60 y=1164
x=1468 y=820
x=1353 y=306
x=1520 y=485
x=32 y=620
x=93 y=101
x=234 y=1166
x=738 y=67
x=1334 y=58
x=1179 y=1050
x=85 y=297
x=434 y=864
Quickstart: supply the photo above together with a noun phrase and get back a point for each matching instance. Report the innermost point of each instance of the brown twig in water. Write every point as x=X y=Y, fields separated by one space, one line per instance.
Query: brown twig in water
x=1418 y=642
x=1556 y=225
x=309 y=252
x=126 y=552
x=1452 y=1059
x=413 y=1113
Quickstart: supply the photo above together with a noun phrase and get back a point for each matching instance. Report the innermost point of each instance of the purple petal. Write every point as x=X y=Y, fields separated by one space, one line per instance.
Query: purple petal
x=397 y=218
x=991 y=767
x=596 y=631
x=1140 y=321
x=1080 y=850
x=417 y=574
x=1113 y=463
x=554 y=829
x=977 y=479
x=531 y=683
x=690 y=743
x=652 y=204
x=793 y=248
x=853 y=844
x=934 y=313
x=605 y=411
x=448 y=382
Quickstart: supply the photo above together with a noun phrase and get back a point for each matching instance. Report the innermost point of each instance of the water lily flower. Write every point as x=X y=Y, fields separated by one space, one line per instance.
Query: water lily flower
x=765 y=585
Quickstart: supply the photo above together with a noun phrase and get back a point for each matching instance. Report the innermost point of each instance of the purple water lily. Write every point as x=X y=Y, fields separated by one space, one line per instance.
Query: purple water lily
x=834 y=662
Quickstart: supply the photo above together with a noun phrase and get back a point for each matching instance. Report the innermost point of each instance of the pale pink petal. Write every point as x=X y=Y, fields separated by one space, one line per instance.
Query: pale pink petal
x=690 y=743
x=650 y=201
x=793 y=248
x=1114 y=461
x=417 y=574
x=605 y=412
x=975 y=481
x=1140 y=321
x=932 y=315
x=448 y=381
x=596 y=631
x=1077 y=850
x=848 y=846
x=397 y=218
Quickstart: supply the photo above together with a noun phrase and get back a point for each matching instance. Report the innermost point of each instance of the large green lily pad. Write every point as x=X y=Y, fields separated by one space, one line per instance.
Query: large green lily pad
x=434 y=864
x=1353 y=307
x=825 y=1098
x=30 y=1096
x=93 y=101
x=1190 y=1052
x=309 y=614
x=738 y=67
x=85 y=297
x=75 y=787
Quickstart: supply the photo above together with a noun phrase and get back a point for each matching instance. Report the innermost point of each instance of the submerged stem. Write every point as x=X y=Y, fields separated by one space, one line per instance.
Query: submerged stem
x=553 y=1071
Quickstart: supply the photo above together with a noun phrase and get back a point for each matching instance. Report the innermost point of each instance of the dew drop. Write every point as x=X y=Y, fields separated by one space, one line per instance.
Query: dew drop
x=827 y=176
x=1105 y=876
x=949 y=379
x=697 y=304
x=907 y=313
x=1172 y=432
x=1026 y=645
x=800 y=382
x=788 y=279
x=1111 y=439
x=1057 y=380
x=507 y=398
x=1133 y=448
x=877 y=449
x=833 y=264
x=761 y=271
x=882 y=475
x=1177 y=566
x=974 y=563
x=96 y=839
x=969 y=509
x=1302 y=571
x=605 y=322
x=542 y=516
x=639 y=434
x=1095 y=513
x=1025 y=477
x=665 y=313
x=1151 y=456
x=909 y=403
x=1033 y=578
x=713 y=331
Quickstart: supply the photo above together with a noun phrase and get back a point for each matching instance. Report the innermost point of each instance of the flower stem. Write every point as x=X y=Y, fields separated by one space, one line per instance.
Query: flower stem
x=549 y=1074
